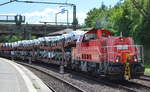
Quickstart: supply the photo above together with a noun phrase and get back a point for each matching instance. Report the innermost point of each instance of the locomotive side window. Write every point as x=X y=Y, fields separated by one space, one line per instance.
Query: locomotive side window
x=103 y=34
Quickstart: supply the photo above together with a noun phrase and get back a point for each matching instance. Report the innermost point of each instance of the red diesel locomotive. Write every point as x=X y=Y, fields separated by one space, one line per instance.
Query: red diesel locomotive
x=97 y=51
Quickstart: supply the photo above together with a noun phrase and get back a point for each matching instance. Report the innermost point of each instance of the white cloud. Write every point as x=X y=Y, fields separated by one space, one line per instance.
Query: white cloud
x=81 y=17
x=48 y=15
x=43 y=13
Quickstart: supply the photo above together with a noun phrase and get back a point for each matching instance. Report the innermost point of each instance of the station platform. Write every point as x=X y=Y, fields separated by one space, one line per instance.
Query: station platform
x=17 y=78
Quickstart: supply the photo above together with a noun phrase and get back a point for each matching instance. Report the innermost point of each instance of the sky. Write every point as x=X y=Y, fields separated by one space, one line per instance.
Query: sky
x=35 y=13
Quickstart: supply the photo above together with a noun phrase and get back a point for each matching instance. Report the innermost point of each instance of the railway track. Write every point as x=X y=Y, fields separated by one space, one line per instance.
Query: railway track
x=101 y=80
x=116 y=85
x=128 y=86
x=105 y=81
x=53 y=82
x=145 y=78
x=52 y=89
x=136 y=86
x=131 y=86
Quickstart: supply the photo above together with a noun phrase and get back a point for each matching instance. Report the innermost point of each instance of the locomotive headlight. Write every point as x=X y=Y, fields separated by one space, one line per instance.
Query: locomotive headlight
x=121 y=39
x=117 y=59
x=135 y=59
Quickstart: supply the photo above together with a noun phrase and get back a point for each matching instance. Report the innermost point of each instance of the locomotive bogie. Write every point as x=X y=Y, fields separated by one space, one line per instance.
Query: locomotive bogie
x=137 y=70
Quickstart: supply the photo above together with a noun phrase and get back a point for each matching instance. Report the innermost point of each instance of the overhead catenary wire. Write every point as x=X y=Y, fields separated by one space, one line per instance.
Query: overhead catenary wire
x=44 y=2
x=7 y=2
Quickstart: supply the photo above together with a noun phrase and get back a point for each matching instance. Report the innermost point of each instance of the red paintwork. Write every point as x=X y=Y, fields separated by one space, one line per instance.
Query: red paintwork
x=104 y=48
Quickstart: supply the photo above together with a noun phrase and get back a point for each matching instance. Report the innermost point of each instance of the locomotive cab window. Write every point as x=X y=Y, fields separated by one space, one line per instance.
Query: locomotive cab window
x=89 y=36
x=104 y=34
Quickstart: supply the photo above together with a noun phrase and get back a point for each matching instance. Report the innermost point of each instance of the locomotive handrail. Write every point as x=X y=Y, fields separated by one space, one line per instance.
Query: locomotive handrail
x=139 y=51
x=128 y=45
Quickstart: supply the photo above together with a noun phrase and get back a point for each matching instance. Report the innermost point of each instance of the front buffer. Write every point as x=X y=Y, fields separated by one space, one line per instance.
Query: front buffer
x=120 y=71
x=137 y=69
x=115 y=71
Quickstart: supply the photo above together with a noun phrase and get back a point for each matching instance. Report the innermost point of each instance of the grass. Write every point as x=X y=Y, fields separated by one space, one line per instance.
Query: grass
x=35 y=86
x=147 y=65
x=147 y=68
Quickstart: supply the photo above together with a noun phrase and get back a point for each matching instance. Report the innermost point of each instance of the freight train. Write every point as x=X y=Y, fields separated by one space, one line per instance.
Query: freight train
x=95 y=51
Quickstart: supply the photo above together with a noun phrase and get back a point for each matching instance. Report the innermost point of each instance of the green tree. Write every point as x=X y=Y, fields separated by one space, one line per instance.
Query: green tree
x=123 y=17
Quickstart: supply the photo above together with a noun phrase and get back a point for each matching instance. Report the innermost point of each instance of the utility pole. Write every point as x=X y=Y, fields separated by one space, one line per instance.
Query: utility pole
x=61 y=12
x=56 y=17
x=74 y=17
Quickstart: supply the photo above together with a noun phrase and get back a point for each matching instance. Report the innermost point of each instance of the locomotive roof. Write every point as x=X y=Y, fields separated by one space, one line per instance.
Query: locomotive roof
x=101 y=30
